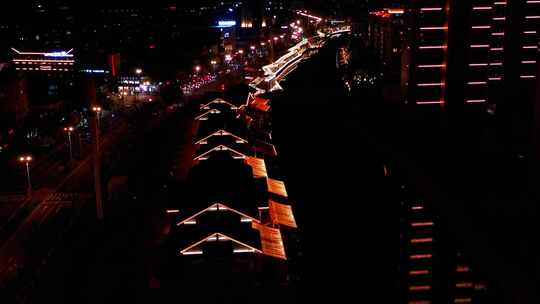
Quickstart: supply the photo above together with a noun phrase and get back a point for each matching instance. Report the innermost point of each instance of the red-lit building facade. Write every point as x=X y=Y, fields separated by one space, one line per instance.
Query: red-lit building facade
x=424 y=60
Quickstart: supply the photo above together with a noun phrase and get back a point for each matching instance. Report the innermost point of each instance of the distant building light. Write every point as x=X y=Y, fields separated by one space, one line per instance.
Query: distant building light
x=226 y=23
x=58 y=54
x=94 y=71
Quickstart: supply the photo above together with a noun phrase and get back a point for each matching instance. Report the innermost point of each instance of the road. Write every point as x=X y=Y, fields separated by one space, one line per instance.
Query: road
x=116 y=263
x=53 y=208
x=47 y=173
x=56 y=206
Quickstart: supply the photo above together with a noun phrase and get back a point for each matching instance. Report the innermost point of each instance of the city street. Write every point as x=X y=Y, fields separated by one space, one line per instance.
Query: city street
x=52 y=209
x=136 y=221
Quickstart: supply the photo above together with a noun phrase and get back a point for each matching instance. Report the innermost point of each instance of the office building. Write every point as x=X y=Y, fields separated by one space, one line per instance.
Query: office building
x=468 y=54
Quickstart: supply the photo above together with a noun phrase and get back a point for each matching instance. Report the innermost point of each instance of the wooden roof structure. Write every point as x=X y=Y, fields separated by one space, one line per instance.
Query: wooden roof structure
x=281 y=214
x=261 y=104
x=271 y=241
x=216 y=207
x=276 y=187
x=257 y=165
x=221 y=132
x=235 y=154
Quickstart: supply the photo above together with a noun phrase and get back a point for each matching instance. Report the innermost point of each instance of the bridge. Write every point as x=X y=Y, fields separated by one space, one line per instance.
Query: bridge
x=278 y=70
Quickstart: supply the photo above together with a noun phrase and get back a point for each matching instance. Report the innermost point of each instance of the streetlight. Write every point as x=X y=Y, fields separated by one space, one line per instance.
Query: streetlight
x=252 y=48
x=97 y=163
x=138 y=71
x=197 y=68
x=97 y=110
x=69 y=130
x=26 y=159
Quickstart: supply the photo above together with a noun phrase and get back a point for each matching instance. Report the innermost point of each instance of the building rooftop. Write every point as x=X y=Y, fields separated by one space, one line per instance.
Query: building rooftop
x=217 y=223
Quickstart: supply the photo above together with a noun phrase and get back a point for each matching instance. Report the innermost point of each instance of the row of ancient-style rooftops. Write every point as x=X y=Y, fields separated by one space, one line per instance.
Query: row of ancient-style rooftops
x=236 y=204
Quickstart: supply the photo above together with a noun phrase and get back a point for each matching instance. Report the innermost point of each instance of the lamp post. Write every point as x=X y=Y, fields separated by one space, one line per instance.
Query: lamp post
x=97 y=163
x=97 y=113
x=68 y=130
x=138 y=71
x=97 y=110
x=26 y=159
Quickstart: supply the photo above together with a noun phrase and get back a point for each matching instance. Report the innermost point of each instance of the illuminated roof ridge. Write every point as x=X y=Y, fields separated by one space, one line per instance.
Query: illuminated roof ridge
x=211 y=111
x=47 y=54
x=220 y=148
x=216 y=205
x=221 y=132
x=219 y=101
x=221 y=235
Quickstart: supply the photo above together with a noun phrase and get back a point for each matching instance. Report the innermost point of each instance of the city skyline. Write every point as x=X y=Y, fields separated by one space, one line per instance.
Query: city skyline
x=226 y=151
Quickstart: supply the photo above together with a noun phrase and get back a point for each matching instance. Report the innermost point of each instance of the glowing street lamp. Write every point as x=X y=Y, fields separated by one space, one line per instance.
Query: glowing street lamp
x=68 y=130
x=197 y=68
x=138 y=71
x=97 y=111
x=26 y=159
x=252 y=48
x=240 y=51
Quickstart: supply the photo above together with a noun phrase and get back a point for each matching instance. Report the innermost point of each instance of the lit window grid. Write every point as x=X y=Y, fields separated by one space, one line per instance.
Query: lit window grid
x=476 y=80
x=496 y=54
x=432 y=41
x=529 y=40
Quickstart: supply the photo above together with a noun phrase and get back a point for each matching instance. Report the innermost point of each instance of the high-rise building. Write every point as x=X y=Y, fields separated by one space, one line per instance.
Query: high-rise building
x=385 y=36
x=464 y=54
x=431 y=266
x=425 y=54
x=514 y=68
